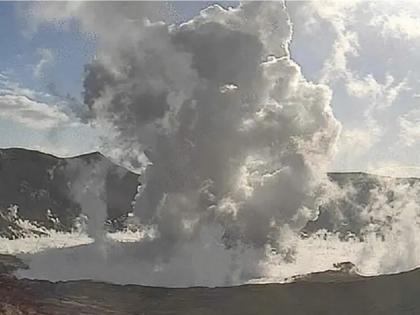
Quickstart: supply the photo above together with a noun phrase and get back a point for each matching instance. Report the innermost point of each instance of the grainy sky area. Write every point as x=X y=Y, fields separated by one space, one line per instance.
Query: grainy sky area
x=366 y=52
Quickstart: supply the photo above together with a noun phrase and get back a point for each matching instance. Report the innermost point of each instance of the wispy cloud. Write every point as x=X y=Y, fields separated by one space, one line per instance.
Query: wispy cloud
x=402 y=25
x=410 y=128
x=29 y=107
x=33 y=114
x=46 y=59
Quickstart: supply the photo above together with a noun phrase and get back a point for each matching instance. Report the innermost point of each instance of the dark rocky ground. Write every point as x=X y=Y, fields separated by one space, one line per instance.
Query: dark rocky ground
x=36 y=181
x=333 y=292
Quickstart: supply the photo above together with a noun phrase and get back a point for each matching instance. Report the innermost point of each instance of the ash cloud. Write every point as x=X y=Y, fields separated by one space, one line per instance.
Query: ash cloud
x=235 y=139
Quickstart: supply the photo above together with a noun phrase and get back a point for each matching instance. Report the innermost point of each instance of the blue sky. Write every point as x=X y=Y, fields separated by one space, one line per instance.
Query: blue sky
x=61 y=76
x=21 y=51
x=72 y=50
x=366 y=52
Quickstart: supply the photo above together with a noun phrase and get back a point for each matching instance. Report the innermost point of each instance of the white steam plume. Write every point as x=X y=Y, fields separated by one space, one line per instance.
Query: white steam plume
x=236 y=139
x=248 y=159
x=88 y=190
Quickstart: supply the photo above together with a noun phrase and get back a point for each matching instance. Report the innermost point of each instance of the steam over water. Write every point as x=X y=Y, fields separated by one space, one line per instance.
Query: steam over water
x=233 y=142
x=373 y=256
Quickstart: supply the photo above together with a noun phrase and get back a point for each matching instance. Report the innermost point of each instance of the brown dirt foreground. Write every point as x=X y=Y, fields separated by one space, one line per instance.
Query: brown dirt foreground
x=330 y=292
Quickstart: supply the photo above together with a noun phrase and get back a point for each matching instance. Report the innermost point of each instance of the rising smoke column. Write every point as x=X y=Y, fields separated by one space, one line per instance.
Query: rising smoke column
x=236 y=140
x=88 y=189
x=234 y=134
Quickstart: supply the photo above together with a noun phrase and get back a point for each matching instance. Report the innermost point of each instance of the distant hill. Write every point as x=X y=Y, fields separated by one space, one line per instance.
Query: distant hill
x=37 y=182
x=342 y=214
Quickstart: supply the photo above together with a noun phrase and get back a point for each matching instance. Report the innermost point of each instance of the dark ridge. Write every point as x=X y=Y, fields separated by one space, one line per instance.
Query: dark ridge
x=89 y=155
x=28 y=153
x=16 y=151
x=342 y=215
x=37 y=181
x=364 y=175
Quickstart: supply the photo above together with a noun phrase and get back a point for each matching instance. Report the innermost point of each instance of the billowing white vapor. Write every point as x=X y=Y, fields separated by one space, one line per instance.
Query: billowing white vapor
x=235 y=139
x=234 y=135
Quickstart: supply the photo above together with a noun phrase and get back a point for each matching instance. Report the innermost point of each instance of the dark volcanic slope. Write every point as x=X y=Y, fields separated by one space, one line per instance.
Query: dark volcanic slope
x=394 y=294
x=343 y=214
x=36 y=182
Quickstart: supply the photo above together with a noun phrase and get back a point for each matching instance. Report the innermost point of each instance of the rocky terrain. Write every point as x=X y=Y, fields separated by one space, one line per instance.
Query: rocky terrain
x=360 y=192
x=38 y=187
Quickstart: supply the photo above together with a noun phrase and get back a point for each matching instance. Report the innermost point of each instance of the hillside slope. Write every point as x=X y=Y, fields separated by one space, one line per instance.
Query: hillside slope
x=36 y=182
